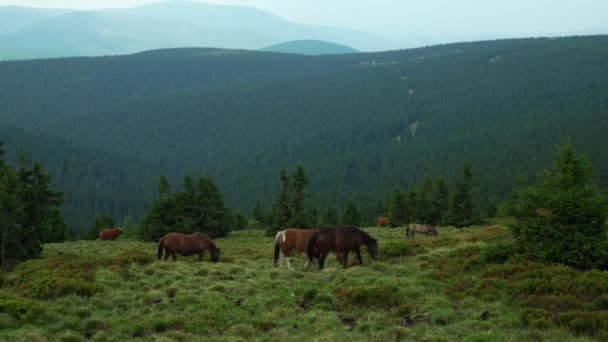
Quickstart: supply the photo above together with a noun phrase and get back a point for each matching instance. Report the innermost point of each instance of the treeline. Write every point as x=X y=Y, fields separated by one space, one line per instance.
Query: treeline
x=28 y=210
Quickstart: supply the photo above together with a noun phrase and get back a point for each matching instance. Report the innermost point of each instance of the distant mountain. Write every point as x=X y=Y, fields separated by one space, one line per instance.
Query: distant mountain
x=310 y=47
x=55 y=33
x=14 y=18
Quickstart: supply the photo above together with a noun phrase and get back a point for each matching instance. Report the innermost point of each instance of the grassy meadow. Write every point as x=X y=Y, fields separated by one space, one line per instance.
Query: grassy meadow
x=456 y=286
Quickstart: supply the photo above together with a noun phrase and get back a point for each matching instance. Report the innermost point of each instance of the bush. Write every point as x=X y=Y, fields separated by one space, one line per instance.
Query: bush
x=497 y=253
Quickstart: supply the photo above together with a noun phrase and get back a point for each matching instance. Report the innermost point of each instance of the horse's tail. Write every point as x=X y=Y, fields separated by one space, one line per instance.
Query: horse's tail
x=277 y=245
x=161 y=245
x=310 y=246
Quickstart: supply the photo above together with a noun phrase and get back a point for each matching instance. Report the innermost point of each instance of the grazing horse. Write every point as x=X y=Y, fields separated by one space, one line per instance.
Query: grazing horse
x=109 y=234
x=382 y=221
x=289 y=239
x=341 y=240
x=425 y=229
x=197 y=243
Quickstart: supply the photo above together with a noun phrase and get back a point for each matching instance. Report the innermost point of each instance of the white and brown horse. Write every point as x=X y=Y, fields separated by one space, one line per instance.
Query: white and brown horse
x=292 y=238
x=425 y=229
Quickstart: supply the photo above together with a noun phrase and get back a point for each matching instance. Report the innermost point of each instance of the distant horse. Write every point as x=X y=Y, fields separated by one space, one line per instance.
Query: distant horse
x=109 y=234
x=341 y=240
x=197 y=243
x=382 y=221
x=289 y=239
x=425 y=229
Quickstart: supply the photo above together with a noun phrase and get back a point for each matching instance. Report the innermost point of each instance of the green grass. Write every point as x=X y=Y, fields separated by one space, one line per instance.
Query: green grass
x=436 y=289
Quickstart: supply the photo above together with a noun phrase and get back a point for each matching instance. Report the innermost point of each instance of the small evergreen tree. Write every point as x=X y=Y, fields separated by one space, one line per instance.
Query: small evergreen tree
x=331 y=217
x=281 y=210
x=259 y=214
x=129 y=228
x=398 y=212
x=351 y=214
x=299 y=182
x=562 y=218
x=463 y=210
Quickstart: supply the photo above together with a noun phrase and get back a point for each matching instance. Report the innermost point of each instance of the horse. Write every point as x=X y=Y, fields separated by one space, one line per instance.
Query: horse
x=186 y=245
x=289 y=239
x=341 y=240
x=109 y=234
x=382 y=221
x=425 y=229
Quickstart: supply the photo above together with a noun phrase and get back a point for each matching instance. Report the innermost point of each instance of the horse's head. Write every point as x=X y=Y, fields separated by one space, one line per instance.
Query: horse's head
x=119 y=231
x=215 y=254
x=372 y=248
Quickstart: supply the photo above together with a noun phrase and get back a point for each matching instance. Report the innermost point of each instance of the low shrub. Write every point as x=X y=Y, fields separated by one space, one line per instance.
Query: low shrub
x=496 y=253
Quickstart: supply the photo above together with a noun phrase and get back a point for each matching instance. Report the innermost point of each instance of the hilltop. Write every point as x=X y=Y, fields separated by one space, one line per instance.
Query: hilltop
x=310 y=47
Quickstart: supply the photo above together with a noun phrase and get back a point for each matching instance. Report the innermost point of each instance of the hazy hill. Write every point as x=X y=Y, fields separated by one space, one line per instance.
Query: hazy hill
x=362 y=124
x=50 y=33
x=310 y=47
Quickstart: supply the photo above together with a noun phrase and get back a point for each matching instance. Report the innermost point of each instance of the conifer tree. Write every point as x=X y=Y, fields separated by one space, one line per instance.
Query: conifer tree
x=299 y=182
x=351 y=214
x=463 y=210
x=562 y=218
x=281 y=210
x=398 y=212
x=331 y=217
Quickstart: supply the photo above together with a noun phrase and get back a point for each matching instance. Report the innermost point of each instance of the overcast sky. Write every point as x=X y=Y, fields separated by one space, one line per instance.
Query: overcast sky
x=503 y=17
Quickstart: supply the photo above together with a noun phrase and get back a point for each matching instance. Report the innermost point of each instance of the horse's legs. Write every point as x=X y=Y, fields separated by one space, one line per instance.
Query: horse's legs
x=200 y=255
x=166 y=255
x=288 y=264
x=174 y=256
x=322 y=260
x=358 y=251
x=345 y=259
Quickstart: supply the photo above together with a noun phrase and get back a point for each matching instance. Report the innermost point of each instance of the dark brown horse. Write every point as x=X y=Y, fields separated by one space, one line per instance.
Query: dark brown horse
x=289 y=239
x=341 y=240
x=197 y=243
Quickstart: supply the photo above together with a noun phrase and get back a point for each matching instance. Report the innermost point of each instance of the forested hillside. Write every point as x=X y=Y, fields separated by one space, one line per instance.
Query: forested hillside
x=361 y=124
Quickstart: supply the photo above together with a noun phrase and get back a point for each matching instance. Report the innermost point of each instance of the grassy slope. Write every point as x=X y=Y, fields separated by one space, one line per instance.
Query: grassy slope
x=434 y=289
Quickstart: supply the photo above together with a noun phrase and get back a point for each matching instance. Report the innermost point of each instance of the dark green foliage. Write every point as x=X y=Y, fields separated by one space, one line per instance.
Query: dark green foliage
x=398 y=210
x=259 y=214
x=562 y=218
x=496 y=253
x=199 y=207
x=117 y=123
x=281 y=210
x=100 y=222
x=129 y=228
x=299 y=182
x=351 y=214
x=331 y=217
x=289 y=208
x=29 y=210
x=463 y=210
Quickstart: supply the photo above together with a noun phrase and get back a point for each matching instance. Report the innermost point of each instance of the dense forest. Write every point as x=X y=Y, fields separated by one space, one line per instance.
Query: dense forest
x=362 y=125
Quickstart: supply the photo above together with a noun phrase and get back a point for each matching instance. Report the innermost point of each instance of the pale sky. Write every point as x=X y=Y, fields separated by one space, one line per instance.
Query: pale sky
x=506 y=17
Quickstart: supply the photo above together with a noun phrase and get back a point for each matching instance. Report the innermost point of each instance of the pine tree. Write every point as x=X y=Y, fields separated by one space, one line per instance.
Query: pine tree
x=463 y=210
x=163 y=187
x=129 y=228
x=398 y=214
x=442 y=197
x=11 y=211
x=259 y=214
x=299 y=182
x=351 y=214
x=562 y=218
x=281 y=211
x=331 y=217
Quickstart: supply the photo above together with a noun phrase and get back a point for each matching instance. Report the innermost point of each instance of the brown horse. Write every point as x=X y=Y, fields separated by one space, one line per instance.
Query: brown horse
x=341 y=240
x=197 y=243
x=289 y=239
x=109 y=234
x=425 y=229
